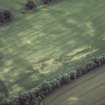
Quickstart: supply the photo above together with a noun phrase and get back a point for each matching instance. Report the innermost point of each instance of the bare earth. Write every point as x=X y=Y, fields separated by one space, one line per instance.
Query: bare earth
x=88 y=90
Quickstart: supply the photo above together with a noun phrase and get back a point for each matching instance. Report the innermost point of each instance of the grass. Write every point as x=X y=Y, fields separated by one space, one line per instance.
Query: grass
x=53 y=40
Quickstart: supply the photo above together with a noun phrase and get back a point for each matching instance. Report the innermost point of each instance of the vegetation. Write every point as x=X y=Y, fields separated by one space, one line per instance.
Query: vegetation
x=81 y=92
x=5 y=16
x=30 y=5
x=50 y=43
x=35 y=96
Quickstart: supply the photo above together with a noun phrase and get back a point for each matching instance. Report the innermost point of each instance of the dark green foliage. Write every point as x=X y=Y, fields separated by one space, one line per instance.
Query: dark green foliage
x=65 y=79
x=100 y=60
x=27 y=99
x=79 y=72
x=90 y=66
x=73 y=75
x=55 y=84
x=30 y=5
x=5 y=16
x=84 y=69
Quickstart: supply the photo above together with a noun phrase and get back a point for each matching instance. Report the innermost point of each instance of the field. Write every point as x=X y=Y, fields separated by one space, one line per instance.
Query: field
x=55 y=39
x=88 y=90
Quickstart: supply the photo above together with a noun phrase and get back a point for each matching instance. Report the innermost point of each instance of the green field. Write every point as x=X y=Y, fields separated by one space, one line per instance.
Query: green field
x=42 y=44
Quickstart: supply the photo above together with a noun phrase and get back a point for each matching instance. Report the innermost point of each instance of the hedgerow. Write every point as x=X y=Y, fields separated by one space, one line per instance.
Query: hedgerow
x=35 y=96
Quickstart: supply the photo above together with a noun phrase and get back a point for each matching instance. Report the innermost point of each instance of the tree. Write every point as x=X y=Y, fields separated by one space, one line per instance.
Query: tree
x=5 y=16
x=30 y=5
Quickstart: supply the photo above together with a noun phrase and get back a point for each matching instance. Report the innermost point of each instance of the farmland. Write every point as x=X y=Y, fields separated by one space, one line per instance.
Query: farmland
x=45 y=43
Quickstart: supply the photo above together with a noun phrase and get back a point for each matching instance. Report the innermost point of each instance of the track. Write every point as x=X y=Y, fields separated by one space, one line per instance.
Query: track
x=88 y=90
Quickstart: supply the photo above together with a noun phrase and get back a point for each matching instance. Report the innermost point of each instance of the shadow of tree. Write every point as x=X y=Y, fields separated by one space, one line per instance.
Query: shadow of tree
x=4 y=93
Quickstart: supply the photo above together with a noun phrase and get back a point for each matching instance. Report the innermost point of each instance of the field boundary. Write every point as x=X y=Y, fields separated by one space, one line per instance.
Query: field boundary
x=35 y=96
